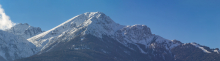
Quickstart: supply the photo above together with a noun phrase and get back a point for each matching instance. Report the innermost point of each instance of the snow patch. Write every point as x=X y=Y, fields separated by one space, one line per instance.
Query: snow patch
x=203 y=49
x=82 y=38
x=142 y=51
x=217 y=51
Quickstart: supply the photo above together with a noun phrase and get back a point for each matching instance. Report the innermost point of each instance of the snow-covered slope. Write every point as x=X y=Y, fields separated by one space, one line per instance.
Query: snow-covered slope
x=14 y=47
x=24 y=30
x=141 y=34
x=200 y=47
x=204 y=48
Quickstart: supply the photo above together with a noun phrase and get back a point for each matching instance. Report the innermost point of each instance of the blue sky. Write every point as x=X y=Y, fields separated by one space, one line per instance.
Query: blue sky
x=185 y=20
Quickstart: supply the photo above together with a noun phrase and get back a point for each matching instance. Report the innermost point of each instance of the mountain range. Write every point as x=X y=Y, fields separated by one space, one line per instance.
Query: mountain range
x=94 y=36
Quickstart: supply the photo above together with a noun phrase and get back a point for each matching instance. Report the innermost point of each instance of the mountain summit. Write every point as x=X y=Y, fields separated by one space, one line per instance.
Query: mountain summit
x=94 y=23
x=24 y=30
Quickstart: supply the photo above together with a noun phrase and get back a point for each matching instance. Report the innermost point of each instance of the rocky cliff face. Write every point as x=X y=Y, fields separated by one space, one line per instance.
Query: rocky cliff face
x=195 y=52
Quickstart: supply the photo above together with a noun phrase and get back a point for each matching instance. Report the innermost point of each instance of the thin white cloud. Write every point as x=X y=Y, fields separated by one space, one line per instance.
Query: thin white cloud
x=5 y=21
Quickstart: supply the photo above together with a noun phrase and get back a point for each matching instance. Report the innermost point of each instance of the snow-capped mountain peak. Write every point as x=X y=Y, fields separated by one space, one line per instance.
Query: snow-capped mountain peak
x=24 y=30
x=94 y=23
x=19 y=28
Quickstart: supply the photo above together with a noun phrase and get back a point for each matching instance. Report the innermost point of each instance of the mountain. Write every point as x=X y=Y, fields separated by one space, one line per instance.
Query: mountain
x=24 y=30
x=94 y=23
x=14 y=43
x=14 y=47
x=93 y=36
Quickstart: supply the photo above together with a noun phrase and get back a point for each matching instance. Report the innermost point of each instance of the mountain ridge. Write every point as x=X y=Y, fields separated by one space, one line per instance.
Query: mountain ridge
x=98 y=24
x=24 y=30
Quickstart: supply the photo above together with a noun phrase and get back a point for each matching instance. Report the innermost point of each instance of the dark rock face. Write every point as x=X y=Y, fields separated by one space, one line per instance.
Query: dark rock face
x=92 y=48
x=189 y=52
x=2 y=59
